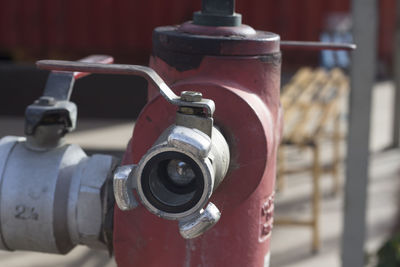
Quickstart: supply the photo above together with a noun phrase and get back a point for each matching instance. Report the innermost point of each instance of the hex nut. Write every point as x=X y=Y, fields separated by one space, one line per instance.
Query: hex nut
x=90 y=206
x=191 y=96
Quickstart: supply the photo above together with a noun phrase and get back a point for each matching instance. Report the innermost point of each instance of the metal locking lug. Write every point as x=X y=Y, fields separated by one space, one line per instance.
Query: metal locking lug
x=123 y=187
x=199 y=224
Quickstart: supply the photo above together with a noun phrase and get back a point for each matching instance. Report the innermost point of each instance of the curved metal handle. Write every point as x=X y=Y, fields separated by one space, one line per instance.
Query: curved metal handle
x=149 y=74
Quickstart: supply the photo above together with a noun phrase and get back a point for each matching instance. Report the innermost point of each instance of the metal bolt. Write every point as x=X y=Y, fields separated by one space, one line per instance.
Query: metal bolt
x=191 y=96
x=46 y=101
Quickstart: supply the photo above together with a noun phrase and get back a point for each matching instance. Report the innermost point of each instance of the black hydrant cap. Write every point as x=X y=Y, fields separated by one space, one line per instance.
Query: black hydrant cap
x=217 y=13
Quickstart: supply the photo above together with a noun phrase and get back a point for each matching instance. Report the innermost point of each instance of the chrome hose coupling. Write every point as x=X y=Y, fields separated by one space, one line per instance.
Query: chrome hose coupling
x=178 y=174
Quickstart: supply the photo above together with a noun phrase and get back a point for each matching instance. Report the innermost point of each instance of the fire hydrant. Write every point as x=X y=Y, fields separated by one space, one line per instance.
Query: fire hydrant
x=239 y=69
x=196 y=184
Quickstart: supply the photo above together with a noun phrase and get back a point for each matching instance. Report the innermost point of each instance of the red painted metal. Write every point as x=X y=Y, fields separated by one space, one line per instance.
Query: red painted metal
x=245 y=89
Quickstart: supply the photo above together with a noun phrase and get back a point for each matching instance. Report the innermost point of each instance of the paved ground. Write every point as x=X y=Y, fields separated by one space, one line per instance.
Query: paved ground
x=290 y=245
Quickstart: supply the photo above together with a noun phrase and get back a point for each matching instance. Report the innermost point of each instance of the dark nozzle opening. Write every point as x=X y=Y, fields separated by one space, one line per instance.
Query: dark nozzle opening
x=172 y=182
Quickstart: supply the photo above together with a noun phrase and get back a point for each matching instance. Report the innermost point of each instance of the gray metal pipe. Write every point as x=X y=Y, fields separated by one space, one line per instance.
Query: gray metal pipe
x=51 y=201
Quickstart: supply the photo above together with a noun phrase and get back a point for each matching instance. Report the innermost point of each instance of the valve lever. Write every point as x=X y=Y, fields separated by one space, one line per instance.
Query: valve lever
x=304 y=45
x=149 y=74
x=52 y=116
x=59 y=84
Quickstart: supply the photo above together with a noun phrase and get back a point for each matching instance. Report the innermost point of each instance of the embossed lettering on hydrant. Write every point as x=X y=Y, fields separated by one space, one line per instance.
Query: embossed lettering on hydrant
x=266 y=218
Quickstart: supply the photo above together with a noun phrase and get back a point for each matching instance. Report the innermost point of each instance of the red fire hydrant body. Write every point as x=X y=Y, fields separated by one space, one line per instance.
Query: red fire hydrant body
x=239 y=69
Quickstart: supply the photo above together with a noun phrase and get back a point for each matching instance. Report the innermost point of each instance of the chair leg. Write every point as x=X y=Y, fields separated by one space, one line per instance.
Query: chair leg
x=336 y=156
x=280 y=179
x=316 y=200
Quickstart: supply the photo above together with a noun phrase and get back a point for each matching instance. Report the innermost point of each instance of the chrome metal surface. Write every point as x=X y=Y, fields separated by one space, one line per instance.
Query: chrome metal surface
x=123 y=187
x=190 y=140
x=204 y=124
x=197 y=225
x=209 y=155
x=191 y=96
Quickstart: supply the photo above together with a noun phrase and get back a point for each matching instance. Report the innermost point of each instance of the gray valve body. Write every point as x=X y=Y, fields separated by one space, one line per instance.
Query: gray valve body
x=50 y=200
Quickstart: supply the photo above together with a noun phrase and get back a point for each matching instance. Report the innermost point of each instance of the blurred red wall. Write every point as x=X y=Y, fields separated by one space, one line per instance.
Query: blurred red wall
x=31 y=29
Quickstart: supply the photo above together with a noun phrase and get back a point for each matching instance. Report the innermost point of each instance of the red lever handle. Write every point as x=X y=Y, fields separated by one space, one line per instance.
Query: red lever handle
x=60 y=83
x=103 y=59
